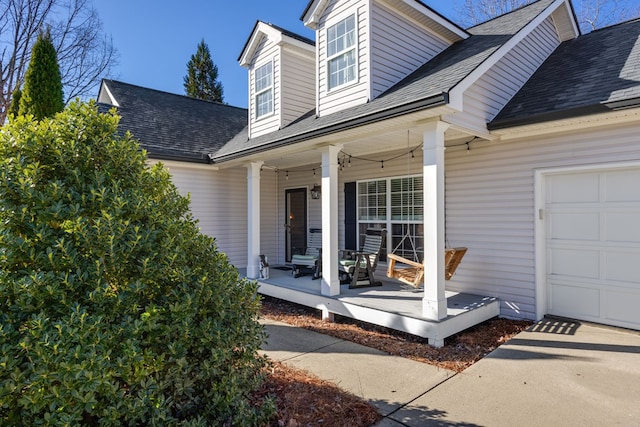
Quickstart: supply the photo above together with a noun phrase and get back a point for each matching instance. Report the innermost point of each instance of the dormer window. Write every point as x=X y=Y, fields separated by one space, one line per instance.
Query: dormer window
x=341 y=52
x=264 y=89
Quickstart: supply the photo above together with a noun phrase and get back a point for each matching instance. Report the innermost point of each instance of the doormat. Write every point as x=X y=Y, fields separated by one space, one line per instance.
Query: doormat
x=282 y=267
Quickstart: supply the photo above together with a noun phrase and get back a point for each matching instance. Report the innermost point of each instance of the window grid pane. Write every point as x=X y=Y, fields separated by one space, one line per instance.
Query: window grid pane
x=372 y=196
x=341 y=41
x=264 y=89
x=404 y=225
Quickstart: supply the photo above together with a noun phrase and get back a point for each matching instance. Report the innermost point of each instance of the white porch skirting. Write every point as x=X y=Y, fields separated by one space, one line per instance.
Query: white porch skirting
x=393 y=305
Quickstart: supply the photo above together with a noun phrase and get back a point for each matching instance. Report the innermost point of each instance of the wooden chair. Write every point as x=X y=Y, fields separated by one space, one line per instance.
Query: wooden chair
x=358 y=267
x=413 y=272
x=310 y=259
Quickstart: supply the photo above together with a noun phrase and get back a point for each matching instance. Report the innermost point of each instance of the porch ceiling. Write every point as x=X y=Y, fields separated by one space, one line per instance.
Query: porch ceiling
x=370 y=141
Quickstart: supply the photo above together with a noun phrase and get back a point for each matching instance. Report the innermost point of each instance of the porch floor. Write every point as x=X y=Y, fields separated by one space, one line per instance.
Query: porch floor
x=394 y=304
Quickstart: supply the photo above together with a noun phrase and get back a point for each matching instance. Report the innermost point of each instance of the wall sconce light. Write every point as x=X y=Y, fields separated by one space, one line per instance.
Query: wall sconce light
x=315 y=192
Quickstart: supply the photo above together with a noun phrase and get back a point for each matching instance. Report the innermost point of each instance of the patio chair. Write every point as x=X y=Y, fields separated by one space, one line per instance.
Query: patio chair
x=310 y=259
x=357 y=267
x=412 y=273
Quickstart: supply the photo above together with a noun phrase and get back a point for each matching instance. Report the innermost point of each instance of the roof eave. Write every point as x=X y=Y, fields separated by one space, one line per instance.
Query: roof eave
x=564 y=114
x=425 y=103
x=179 y=157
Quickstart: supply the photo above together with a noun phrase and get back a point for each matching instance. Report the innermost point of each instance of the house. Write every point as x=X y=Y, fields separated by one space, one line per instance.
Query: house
x=518 y=138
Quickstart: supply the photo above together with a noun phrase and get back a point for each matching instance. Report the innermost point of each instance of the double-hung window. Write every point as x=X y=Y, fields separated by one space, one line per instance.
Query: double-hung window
x=341 y=52
x=264 y=89
x=397 y=205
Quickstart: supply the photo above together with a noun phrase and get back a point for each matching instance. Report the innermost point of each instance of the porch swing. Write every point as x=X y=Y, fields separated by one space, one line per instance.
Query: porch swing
x=412 y=272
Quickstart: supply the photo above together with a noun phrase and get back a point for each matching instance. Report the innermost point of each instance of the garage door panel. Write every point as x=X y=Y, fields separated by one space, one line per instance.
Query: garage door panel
x=623 y=267
x=617 y=188
x=573 y=188
x=575 y=301
x=575 y=263
x=623 y=307
x=574 y=226
x=622 y=227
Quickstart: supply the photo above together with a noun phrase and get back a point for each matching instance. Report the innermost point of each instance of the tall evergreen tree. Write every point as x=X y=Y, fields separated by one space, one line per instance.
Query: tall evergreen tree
x=202 y=74
x=14 y=107
x=42 y=93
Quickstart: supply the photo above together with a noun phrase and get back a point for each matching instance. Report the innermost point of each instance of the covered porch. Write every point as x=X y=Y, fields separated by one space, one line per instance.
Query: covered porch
x=394 y=304
x=399 y=160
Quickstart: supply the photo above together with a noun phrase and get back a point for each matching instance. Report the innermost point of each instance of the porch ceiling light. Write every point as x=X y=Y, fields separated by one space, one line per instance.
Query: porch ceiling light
x=315 y=192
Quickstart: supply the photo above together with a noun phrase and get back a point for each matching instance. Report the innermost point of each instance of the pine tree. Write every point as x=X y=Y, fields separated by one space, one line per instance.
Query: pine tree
x=42 y=93
x=202 y=74
x=14 y=107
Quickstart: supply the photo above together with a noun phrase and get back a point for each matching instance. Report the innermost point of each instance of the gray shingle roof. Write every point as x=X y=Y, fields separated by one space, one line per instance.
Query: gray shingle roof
x=590 y=74
x=175 y=127
x=425 y=87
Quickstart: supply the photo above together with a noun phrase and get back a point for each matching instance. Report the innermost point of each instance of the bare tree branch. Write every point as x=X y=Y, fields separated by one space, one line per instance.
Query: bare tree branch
x=591 y=14
x=85 y=54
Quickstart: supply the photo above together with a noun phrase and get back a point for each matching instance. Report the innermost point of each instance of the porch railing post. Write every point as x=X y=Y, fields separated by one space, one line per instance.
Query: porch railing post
x=253 y=219
x=330 y=281
x=434 y=302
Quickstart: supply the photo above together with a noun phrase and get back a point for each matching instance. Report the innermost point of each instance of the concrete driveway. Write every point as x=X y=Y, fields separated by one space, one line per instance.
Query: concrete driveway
x=559 y=373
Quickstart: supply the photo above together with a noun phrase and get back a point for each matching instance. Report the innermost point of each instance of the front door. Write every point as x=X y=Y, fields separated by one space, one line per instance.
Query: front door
x=295 y=222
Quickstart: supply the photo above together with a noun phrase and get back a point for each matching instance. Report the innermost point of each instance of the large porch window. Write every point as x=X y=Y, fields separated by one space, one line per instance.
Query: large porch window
x=397 y=205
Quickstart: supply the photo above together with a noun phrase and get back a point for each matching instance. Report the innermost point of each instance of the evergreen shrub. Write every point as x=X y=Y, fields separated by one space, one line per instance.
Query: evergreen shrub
x=116 y=310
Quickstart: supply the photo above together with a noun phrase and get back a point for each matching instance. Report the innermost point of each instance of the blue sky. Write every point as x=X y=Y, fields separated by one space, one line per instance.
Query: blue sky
x=155 y=39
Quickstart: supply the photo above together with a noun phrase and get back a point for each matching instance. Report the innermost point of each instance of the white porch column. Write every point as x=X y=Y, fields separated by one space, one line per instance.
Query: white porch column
x=434 y=302
x=253 y=219
x=330 y=281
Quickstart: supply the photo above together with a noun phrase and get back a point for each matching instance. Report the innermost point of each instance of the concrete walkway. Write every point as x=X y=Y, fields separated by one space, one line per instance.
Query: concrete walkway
x=557 y=373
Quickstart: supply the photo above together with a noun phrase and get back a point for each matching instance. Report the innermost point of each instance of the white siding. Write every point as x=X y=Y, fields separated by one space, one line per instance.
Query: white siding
x=269 y=224
x=398 y=47
x=298 y=85
x=490 y=206
x=486 y=97
x=358 y=92
x=266 y=51
x=219 y=202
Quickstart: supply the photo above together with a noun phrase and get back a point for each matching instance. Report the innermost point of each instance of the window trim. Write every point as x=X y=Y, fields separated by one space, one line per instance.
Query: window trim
x=265 y=90
x=345 y=51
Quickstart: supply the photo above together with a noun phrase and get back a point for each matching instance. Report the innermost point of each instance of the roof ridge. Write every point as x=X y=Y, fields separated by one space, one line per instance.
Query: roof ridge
x=222 y=104
x=617 y=24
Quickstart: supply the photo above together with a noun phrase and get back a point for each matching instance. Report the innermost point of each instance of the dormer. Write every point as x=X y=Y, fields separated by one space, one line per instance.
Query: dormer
x=282 y=76
x=364 y=47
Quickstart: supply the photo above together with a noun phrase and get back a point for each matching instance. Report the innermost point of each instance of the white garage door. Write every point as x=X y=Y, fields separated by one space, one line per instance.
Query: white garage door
x=593 y=245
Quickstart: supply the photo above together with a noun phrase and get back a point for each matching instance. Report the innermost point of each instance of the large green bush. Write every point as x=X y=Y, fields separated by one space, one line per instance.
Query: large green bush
x=116 y=310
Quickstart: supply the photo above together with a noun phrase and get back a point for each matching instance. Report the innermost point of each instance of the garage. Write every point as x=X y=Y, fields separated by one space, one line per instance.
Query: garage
x=592 y=244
